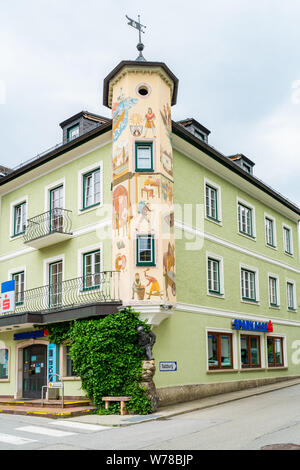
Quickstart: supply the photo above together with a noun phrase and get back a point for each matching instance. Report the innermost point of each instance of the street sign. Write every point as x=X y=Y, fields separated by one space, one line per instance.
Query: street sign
x=168 y=366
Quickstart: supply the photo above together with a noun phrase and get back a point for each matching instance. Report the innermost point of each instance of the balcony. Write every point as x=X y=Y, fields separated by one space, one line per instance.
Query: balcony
x=48 y=228
x=82 y=297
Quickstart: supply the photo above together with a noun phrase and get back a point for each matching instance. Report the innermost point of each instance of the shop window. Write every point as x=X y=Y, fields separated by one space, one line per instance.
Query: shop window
x=275 y=352
x=3 y=364
x=250 y=351
x=220 y=351
x=69 y=370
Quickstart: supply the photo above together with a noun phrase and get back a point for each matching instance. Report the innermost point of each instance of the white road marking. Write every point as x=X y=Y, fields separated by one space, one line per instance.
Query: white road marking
x=79 y=426
x=15 y=440
x=45 y=431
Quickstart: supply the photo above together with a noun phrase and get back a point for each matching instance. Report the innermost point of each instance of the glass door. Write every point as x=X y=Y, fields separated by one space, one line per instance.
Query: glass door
x=34 y=370
x=56 y=210
x=55 y=284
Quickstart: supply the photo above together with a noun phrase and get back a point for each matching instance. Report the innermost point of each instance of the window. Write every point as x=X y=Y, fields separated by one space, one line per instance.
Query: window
x=19 y=287
x=248 y=285
x=213 y=270
x=73 y=133
x=211 y=198
x=275 y=351
x=220 y=351
x=55 y=284
x=143 y=156
x=269 y=225
x=20 y=219
x=3 y=364
x=287 y=240
x=69 y=371
x=145 y=250
x=91 y=189
x=246 y=167
x=245 y=217
x=91 y=270
x=250 y=351
x=291 y=296
x=273 y=292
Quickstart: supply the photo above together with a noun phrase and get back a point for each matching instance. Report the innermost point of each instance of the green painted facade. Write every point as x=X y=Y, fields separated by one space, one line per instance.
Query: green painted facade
x=182 y=336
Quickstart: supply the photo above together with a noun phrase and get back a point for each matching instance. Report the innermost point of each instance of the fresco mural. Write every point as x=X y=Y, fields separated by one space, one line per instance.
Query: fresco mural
x=154 y=285
x=120 y=262
x=166 y=118
x=120 y=114
x=120 y=159
x=169 y=270
x=138 y=288
x=149 y=123
x=166 y=160
x=136 y=124
x=150 y=187
x=121 y=210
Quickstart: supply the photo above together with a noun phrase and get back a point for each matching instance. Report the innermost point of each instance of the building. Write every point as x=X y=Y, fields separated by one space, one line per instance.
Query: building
x=97 y=223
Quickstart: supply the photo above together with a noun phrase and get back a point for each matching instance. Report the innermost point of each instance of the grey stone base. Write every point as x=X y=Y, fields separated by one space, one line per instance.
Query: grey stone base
x=182 y=393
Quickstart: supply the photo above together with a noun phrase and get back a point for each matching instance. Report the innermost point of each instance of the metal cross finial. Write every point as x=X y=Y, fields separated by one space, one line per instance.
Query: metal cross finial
x=137 y=25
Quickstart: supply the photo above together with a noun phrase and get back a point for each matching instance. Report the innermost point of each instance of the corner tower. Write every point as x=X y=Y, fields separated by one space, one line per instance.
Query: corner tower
x=140 y=95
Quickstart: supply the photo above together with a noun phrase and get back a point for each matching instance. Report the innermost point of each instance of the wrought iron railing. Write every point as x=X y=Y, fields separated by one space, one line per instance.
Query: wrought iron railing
x=54 y=221
x=90 y=289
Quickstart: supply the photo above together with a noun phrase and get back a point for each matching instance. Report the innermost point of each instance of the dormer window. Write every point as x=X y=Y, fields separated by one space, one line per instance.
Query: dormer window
x=73 y=133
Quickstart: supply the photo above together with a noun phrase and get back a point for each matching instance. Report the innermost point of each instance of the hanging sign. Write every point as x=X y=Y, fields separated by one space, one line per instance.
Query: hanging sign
x=7 y=297
x=248 y=325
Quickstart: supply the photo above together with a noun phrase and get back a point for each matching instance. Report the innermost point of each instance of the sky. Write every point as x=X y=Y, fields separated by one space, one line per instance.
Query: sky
x=237 y=62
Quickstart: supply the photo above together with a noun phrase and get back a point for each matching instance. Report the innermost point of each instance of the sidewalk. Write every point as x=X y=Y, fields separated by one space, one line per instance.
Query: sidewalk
x=181 y=408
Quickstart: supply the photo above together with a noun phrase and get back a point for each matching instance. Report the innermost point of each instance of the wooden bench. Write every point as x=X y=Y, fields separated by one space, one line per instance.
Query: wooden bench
x=122 y=401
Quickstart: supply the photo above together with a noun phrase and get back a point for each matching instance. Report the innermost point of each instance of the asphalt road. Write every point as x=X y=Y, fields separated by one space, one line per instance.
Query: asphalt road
x=250 y=423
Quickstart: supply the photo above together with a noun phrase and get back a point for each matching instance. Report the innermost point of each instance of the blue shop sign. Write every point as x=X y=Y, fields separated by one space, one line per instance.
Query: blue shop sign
x=30 y=334
x=249 y=325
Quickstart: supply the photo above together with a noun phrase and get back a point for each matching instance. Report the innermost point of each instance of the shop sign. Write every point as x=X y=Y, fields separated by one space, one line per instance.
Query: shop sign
x=8 y=297
x=248 y=325
x=31 y=334
x=168 y=366
x=55 y=385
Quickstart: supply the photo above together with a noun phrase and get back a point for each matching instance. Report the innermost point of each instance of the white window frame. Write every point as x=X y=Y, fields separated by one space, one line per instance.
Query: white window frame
x=218 y=258
x=17 y=270
x=217 y=188
x=80 y=255
x=256 y=278
x=49 y=188
x=81 y=174
x=22 y=200
x=270 y=217
x=288 y=227
x=293 y=283
x=276 y=277
x=252 y=208
x=213 y=329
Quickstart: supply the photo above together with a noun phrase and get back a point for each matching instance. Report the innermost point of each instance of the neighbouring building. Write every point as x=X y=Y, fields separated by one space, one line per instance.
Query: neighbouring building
x=140 y=210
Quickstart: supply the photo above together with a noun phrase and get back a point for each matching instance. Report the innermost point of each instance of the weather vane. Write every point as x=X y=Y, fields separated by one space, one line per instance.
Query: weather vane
x=137 y=25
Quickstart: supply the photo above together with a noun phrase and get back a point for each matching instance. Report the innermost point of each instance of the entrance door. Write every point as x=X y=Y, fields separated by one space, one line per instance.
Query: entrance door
x=34 y=370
